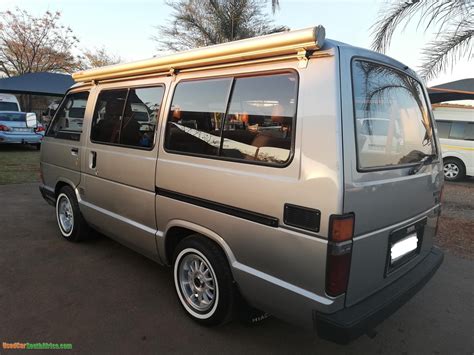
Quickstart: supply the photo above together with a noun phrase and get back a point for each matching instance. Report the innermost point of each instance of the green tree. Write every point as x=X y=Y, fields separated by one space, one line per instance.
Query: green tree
x=452 y=18
x=198 y=23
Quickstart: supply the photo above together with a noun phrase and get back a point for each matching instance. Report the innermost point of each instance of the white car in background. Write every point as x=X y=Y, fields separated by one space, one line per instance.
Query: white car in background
x=456 y=132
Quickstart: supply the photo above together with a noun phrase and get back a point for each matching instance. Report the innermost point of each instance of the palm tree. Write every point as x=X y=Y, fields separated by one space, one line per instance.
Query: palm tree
x=275 y=5
x=453 y=18
x=198 y=23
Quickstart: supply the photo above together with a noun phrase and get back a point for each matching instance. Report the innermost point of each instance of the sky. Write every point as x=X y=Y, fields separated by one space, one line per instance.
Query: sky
x=125 y=27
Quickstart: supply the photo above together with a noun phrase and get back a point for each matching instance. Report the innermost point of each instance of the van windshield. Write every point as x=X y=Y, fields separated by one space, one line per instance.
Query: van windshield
x=393 y=126
x=8 y=106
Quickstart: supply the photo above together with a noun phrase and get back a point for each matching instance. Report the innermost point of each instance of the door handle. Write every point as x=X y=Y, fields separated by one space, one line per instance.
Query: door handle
x=93 y=160
x=75 y=151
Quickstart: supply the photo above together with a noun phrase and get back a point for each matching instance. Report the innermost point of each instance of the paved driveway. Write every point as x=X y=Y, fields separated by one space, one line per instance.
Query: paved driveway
x=104 y=298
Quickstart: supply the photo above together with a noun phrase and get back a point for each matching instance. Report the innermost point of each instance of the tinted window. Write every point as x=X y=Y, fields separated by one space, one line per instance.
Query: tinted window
x=195 y=118
x=259 y=122
x=443 y=129
x=469 y=132
x=12 y=117
x=67 y=123
x=457 y=130
x=141 y=116
x=108 y=116
x=382 y=94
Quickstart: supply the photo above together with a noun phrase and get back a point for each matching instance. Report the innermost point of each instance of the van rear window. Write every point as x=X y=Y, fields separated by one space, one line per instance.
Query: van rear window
x=393 y=126
x=8 y=106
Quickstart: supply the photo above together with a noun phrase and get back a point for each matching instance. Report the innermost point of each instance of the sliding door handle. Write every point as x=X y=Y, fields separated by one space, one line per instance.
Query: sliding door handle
x=93 y=160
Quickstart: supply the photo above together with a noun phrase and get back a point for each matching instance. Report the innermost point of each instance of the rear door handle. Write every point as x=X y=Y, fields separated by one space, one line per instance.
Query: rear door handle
x=93 y=160
x=75 y=151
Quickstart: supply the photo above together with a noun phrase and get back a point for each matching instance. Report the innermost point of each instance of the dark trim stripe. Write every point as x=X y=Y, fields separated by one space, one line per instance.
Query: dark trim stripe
x=219 y=207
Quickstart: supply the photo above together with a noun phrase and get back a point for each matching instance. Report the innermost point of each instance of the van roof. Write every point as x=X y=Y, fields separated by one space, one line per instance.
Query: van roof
x=8 y=97
x=291 y=44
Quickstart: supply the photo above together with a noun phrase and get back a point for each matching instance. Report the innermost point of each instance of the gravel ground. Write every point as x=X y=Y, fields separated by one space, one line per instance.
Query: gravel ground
x=456 y=225
x=106 y=299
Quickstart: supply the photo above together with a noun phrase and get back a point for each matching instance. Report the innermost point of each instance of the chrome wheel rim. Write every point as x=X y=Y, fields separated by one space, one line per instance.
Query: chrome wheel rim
x=65 y=215
x=197 y=282
x=451 y=170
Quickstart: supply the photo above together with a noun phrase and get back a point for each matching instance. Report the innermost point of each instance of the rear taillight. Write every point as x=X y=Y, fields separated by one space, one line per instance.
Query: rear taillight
x=339 y=252
x=4 y=128
x=39 y=129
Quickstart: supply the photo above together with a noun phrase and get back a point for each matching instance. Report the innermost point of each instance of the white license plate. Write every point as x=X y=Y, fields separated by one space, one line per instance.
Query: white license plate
x=403 y=247
x=22 y=129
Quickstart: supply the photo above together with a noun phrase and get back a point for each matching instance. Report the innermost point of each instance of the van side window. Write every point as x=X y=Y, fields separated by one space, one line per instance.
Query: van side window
x=108 y=116
x=254 y=124
x=67 y=123
x=196 y=114
x=443 y=128
x=469 y=132
x=141 y=116
x=127 y=117
x=457 y=130
x=259 y=122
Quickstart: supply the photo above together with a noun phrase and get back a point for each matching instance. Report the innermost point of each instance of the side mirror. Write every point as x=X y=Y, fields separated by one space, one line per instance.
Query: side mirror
x=31 y=121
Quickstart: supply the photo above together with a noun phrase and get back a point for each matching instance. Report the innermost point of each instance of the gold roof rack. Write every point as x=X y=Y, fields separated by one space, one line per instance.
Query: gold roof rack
x=278 y=44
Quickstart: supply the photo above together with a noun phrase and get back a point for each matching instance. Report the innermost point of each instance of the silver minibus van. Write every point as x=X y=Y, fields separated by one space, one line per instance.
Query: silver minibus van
x=297 y=175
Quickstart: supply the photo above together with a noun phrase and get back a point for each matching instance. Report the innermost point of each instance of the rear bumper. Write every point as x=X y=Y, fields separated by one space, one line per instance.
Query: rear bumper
x=20 y=138
x=350 y=323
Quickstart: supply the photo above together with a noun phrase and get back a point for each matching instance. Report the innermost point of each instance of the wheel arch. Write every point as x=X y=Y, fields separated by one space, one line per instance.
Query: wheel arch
x=177 y=230
x=455 y=157
x=60 y=183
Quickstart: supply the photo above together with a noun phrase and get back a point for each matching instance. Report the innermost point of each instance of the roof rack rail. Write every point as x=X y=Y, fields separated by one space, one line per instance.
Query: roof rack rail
x=278 y=44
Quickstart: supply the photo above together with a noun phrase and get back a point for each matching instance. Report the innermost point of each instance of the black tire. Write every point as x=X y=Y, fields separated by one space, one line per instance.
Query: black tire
x=221 y=308
x=453 y=169
x=38 y=146
x=79 y=228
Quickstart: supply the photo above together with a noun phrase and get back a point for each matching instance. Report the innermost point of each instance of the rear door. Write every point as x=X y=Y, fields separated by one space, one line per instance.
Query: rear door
x=62 y=144
x=388 y=134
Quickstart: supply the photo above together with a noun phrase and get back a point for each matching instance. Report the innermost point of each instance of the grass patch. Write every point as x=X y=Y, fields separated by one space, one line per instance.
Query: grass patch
x=18 y=164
